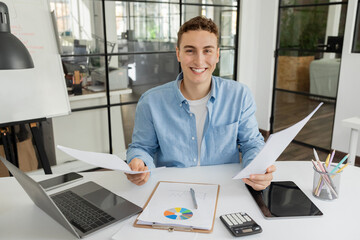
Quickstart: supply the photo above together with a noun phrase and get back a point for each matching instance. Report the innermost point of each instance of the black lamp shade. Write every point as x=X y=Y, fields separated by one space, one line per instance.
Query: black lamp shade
x=13 y=53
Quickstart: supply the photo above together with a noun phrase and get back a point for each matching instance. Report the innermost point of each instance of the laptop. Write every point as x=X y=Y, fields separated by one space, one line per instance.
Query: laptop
x=83 y=209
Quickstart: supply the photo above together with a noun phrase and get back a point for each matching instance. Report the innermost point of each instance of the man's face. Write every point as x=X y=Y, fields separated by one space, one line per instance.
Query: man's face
x=198 y=55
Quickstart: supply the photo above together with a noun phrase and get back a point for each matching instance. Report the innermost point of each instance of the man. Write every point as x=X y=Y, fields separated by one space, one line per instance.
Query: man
x=198 y=119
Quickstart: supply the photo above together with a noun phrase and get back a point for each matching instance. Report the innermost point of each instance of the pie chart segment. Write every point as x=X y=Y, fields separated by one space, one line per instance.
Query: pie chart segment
x=178 y=213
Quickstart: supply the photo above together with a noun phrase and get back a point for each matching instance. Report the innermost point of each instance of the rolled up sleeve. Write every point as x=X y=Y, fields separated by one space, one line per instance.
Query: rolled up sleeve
x=144 y=141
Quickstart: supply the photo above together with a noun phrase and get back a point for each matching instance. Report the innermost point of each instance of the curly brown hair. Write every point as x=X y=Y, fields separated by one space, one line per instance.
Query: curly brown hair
x=198 y=23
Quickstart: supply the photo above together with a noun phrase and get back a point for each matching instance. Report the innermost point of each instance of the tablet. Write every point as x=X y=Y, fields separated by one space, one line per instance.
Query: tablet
x=284 y=199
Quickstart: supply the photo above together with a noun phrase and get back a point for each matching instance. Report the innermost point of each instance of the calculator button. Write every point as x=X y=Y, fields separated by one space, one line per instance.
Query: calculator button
x=247 y=218
x=237 y=219
x=242 y=218
x=232 y=219
x=227 y=220
x=239 y=216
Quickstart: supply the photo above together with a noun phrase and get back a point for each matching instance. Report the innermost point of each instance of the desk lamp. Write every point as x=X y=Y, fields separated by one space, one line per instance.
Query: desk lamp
x=13 y=53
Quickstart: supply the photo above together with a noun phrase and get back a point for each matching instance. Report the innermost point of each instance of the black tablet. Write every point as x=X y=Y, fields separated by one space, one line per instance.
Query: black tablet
x=284 y=199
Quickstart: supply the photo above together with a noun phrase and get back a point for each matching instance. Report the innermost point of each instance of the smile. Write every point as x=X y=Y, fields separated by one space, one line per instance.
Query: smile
x=198 y=70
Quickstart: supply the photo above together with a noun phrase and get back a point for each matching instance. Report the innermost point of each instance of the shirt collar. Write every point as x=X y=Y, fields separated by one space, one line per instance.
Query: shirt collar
x=179 y=95
x=181 y=98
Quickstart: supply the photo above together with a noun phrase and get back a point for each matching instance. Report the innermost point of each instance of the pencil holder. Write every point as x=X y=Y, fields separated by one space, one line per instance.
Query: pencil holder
x=326 y=186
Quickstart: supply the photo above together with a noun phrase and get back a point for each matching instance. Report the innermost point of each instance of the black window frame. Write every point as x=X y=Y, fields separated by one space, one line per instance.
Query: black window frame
x=106 y=54
x=356 y=39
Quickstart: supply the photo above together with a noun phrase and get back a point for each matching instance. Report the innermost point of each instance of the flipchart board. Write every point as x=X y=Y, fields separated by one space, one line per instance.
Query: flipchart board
x=40 y=92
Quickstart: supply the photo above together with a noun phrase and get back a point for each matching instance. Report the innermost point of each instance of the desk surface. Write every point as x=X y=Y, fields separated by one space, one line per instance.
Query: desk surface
x=91 y=95
x=21 y=219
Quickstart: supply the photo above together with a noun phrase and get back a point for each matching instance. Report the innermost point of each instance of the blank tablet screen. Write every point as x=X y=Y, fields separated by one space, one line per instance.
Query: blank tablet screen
x=284 y=199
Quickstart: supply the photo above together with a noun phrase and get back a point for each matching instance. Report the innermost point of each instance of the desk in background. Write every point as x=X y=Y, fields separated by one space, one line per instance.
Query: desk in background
x=324 y=77
x=21 y=219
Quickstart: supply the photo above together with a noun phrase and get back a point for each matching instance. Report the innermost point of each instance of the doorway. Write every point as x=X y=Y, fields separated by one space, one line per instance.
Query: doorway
x=307 y=65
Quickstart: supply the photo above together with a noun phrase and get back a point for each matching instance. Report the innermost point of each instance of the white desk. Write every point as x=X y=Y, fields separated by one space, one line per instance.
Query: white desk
x=354 y=124
x=21 y=219
x=324 y=76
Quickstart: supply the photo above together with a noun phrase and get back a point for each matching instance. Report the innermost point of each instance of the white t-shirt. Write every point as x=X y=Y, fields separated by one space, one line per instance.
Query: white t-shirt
x=199 y=109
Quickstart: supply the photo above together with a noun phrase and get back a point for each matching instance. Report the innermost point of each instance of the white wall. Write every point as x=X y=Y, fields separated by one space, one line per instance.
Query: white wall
x=257 y=42
x=348 y=101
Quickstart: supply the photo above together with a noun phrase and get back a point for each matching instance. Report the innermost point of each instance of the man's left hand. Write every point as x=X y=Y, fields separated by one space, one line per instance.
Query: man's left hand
x=260 y=181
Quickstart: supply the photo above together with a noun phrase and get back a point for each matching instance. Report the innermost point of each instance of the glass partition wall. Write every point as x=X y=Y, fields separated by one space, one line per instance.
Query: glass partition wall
x=120 y=49
x=308 y=58
x=356 y=42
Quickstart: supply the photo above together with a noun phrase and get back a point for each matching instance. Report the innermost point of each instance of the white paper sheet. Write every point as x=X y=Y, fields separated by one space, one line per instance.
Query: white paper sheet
x=274 y=146
x=128 y=231
x=169 y=196
x=104 y=160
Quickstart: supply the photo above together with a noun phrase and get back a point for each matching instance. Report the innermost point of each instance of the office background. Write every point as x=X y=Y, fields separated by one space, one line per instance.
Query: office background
x=133 y=42
x=264 y=44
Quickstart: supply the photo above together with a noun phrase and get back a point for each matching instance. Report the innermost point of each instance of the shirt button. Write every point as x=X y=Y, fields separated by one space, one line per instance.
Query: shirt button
x=185 y=102
x=180 y=105
x=194 y=159
x=192 y=138
x=190 y=114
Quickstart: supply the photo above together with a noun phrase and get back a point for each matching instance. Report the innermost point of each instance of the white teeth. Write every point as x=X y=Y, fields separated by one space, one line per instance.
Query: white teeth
x=198 y=70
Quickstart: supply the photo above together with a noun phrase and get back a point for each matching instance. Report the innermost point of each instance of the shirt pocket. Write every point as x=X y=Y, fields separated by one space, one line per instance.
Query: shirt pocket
x=224 y=142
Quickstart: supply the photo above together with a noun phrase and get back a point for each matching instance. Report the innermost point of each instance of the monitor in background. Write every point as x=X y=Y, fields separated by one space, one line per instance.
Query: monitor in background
x=118 y=78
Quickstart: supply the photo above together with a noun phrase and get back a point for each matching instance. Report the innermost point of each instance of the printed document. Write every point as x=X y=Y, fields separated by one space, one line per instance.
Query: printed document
x=274 y=146
x=172 y=205
x=104 y=160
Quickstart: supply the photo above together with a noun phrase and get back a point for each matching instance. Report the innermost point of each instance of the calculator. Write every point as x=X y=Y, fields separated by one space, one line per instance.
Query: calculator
x=240 y=224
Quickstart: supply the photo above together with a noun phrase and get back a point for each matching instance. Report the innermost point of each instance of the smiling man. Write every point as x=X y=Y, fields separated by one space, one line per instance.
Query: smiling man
x=198 y=119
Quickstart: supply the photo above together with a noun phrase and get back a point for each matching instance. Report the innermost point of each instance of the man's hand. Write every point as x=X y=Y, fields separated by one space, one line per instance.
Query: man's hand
x=260 y=181
x=138 y=165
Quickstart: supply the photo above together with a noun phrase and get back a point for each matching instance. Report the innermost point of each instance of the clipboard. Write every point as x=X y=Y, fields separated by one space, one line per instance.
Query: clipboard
x=175 y=227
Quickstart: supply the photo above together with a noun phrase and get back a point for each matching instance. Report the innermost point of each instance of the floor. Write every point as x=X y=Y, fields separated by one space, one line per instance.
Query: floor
x=291 y=108
x=299 y=152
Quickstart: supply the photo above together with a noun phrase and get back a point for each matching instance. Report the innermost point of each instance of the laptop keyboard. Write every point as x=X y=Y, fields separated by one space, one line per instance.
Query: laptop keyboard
x=80 y=213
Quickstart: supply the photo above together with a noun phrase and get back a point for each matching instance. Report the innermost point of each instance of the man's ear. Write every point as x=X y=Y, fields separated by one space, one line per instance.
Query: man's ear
x=178 y=54
x=217 y=55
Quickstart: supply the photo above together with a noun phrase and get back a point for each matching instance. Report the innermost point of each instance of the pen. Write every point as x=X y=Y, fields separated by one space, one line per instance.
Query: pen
x=327 y=161
x=316 y=155
x=320 y=183
x=193 y=197
x=338 y=171
x=326 y=175
x=319 y=186
x=329 y=177
x=337 y=166
x=341 y=169
x=331 y=158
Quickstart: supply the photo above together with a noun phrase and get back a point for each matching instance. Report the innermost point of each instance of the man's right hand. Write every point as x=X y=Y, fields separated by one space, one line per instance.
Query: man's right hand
x=138 y=165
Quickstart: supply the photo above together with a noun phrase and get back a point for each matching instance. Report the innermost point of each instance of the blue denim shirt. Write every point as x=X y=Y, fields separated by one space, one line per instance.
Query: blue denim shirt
x=165 y=129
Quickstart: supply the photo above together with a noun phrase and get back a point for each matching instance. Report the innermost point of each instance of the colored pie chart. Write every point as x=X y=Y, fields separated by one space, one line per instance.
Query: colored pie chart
x=178 y=213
